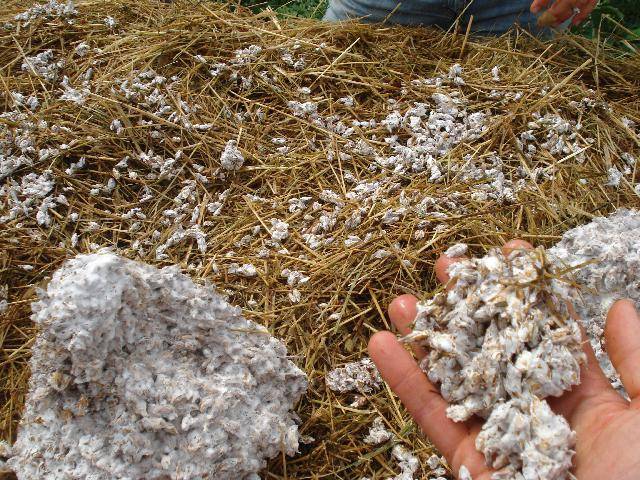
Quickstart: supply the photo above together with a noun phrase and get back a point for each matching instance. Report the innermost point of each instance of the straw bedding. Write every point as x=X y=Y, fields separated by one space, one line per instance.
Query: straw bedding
x=287 y=162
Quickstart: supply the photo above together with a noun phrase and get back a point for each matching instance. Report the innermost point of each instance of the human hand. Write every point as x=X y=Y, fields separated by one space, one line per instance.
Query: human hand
x=562 y=10
x=606 y=425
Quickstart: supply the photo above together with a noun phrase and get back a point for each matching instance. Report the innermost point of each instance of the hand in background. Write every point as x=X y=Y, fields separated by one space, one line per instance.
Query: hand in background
x=562 y=10
x=607 y=426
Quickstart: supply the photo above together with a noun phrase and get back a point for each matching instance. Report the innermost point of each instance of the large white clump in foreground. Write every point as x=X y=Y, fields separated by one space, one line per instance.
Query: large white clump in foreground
x=140 y=373
x=500 y=342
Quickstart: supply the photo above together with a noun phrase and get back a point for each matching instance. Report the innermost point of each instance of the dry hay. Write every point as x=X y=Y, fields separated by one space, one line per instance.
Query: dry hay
x=344 y=301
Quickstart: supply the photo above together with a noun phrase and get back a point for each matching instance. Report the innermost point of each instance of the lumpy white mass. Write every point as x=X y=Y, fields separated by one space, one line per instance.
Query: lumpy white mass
x=500 y=341
x=604 y=256
x=140 y=373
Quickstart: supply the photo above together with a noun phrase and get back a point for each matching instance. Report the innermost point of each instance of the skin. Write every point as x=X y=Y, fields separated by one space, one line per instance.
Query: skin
x=606 y=425
x=562 y=10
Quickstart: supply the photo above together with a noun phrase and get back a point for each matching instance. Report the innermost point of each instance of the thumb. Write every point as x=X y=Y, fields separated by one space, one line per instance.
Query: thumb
x=622 y=334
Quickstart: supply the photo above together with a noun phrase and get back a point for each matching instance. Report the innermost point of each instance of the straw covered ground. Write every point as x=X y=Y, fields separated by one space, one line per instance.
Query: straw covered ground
x=310 y=171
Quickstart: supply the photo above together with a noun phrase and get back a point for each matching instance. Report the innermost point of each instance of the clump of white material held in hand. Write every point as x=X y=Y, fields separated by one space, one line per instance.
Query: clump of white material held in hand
x=500 y=341
x=140 y=373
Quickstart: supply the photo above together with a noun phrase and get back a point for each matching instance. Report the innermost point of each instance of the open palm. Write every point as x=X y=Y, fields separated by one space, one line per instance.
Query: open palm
x=606 y=425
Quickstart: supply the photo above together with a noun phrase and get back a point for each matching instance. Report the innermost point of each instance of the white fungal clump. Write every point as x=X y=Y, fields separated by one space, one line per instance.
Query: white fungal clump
x=51 y=9
x=140 y=373
x=111 y=22
x=31 y=197
x=279 y=230
x=70 y=94
x=361 y=376
x=500 y=342
x=4 y=295
x=378 y=433
x=231 y=158
x=407 y=462
x=43 y=65
x=457 y=250
x=244 y=270
x=605 y=255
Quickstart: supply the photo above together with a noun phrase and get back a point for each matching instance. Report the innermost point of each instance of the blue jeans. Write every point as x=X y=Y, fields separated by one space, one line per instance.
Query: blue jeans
x=490 y=17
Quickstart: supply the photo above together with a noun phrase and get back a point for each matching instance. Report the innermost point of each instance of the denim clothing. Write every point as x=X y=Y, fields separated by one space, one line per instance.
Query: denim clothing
x=490 y=17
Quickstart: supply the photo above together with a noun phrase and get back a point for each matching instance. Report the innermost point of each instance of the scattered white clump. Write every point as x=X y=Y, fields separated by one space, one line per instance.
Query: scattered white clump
x=407 y=462
x=434 y=462
x=380 y=254
x=433 y=133
x=392 y=216
x=244 y=270
x=50 y=10
x=378 y=433
x=500 y=341
x=628 y=158
x=19 y=100
x=553 y=134
x=43 y=65
x=154 y=93
x=140 y=373
x=298 y=204
x=606 y=255
x=181 y=234
x=4 y=297
x=279 y=230
x=361 y=376
x=246 y=55
x=294 y=277
x=614 y=177
x=495 y=73
x=17 y=143
x=111 y=22
x=289 y=59
x=303 y=109
x=295 y=296
x=75 y=166
x=31 y=195
x=457 y=250
x=231 y=158
x=489 y=180
x=352 y=240
x=116 y=126
x=347 y=101
x=455 y=74
x=82 y=49
x=70 y=94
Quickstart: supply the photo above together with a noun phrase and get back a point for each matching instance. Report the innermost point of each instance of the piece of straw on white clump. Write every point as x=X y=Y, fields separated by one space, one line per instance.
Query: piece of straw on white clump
x=500 y=341
x=140 y=373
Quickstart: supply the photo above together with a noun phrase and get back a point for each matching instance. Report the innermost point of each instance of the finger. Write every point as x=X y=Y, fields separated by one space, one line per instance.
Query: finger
x=442 y=266
x=443 y=262
x=547 y=19
x=593 y=383
x=515 y=244
x=562 y=10
x=402 y=312
x=585 y=11
x=622 y=334
x=419 y=396
x=538 y=5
